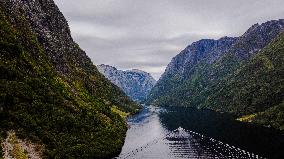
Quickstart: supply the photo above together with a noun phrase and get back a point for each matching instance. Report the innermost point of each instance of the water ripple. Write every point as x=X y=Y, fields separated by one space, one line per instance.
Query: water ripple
x=182 y=143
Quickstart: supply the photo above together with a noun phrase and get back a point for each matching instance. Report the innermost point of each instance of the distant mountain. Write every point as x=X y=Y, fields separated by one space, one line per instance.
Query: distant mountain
x=242 y=75
x=53 y=99
x=135 y=83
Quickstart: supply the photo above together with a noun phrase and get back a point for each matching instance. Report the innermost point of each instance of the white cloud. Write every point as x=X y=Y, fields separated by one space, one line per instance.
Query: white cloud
x=146 y=34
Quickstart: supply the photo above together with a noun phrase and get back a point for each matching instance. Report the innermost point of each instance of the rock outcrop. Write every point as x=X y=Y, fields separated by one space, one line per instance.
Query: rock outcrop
x=135 y=83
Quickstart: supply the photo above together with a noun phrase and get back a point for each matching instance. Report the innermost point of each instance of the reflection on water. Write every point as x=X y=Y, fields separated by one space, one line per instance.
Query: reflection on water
x=165 y=133
x=145 y=128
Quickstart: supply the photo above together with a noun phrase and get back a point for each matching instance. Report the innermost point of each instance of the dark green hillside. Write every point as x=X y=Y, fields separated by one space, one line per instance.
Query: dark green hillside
x=66 y=107
x=191 y=89
x=256 y=85
x=232 y=83
x=273 y=117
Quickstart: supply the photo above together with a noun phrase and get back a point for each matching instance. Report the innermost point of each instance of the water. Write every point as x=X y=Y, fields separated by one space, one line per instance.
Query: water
x=189 y=133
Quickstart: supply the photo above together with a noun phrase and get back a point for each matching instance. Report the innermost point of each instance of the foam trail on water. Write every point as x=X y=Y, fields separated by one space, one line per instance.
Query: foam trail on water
x=182 y=143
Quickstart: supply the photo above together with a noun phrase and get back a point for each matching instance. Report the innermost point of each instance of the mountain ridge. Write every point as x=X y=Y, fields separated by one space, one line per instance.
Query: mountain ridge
x=200 y=81
x=135 y=83
x=51 y=92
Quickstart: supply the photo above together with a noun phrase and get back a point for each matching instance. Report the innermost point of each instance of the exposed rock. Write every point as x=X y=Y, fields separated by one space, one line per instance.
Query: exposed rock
x=256 y=38
x=135 y=83
x=206 y=50
x=15 y=148
x=52 y=31
x=209 y=50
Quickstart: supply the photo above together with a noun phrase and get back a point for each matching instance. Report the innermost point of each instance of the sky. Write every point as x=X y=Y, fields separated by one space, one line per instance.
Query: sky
x=147 y=34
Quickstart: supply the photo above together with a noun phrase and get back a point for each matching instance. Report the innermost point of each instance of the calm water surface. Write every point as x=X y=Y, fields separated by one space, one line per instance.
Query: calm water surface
x=162 y=133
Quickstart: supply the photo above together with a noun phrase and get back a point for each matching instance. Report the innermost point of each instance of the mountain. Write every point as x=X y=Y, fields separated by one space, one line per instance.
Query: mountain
x=135 y=83
x=242 y=75
x=53 y=99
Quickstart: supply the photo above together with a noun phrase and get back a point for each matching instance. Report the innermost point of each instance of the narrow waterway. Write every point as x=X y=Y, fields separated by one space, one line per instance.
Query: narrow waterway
x=163 y=133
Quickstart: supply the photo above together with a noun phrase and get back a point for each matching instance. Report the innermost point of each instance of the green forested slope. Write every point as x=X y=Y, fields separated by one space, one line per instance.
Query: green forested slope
x=255 y=85
x=69 y=113
x=232 y=84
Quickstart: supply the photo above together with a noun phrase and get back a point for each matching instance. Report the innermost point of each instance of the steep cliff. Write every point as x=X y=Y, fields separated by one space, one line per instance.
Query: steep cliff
x=51 y=93
x=135 y=83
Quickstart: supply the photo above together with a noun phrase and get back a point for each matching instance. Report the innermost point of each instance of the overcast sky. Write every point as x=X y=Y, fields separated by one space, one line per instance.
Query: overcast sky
x=146 y=34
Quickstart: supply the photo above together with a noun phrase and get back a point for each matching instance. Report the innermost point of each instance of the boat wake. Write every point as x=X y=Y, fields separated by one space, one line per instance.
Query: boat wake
x=182 y=143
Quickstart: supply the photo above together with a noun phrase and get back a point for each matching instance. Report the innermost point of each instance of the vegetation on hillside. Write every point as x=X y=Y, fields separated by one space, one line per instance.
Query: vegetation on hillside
x=70 y=115
x=242 y=87
x=272 y=117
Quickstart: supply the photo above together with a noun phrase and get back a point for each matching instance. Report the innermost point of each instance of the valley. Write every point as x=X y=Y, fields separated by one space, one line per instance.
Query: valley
x=220 y=97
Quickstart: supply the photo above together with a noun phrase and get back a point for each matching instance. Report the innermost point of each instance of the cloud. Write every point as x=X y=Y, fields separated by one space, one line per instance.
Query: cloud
x=147 y=34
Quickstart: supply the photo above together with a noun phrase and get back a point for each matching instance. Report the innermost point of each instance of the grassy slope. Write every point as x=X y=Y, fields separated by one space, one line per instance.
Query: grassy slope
x=273 y=116
x=71 y=116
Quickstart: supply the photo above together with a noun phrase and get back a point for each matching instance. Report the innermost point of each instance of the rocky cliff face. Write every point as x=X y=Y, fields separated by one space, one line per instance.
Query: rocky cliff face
x=206 y=50
x=51 y=92
x=135 y=83
x=204 y=74
x=43 y=19
x=209 y=50
x=256 y=38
